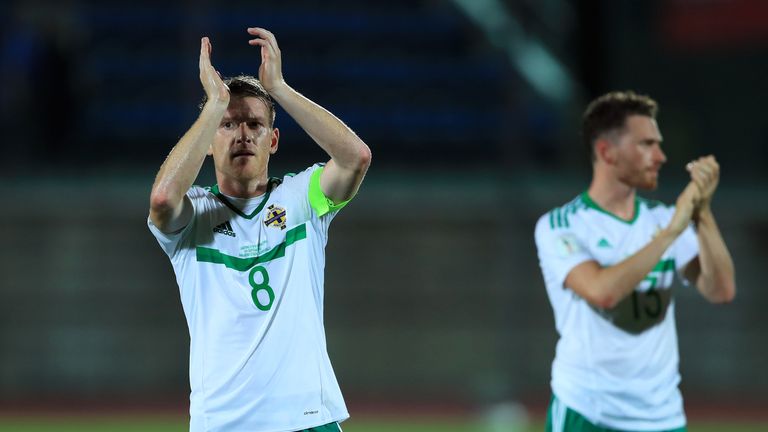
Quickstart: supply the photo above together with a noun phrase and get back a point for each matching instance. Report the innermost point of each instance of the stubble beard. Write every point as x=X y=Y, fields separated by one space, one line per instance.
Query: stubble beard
x=643 y=180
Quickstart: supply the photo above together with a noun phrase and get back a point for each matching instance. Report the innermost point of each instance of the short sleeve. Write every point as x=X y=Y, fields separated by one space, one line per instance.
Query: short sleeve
x=171 y=243
x=560 y=250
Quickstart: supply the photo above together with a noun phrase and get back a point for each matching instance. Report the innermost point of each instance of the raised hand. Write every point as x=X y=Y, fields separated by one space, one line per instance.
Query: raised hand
x=686 y=204
x=215 y=89
x=271 y=69
x=705 y=173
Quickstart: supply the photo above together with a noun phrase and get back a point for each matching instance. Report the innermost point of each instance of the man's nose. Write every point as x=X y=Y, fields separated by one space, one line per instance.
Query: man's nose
x=242 y=133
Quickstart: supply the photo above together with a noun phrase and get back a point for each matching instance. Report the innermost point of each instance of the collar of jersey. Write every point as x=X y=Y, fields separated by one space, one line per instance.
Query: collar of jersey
x=591 y=204
x=228 y=203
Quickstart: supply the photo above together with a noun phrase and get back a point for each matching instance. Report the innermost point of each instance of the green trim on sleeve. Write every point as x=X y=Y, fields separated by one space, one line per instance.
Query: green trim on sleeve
x=317 y=199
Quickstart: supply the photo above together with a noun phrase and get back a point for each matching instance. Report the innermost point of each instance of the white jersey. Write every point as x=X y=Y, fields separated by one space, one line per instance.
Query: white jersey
x=618 y=367
x=251 y=284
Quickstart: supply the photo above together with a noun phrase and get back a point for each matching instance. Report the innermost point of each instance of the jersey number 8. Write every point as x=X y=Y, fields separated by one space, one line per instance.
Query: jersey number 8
x=261 y=286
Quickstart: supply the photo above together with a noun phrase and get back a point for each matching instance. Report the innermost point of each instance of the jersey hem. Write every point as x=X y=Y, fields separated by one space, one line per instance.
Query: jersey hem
x=310 y=425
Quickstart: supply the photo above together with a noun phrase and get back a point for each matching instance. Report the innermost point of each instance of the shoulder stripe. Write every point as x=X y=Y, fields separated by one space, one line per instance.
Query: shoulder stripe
x=552 y=219
x=559 y=217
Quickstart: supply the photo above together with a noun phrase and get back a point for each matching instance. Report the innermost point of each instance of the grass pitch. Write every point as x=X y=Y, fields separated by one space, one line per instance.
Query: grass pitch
x=97 y=423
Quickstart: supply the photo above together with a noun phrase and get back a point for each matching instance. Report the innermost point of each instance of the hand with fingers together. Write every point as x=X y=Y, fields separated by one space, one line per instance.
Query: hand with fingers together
x=685 y=208
x=705 y=173
x=270 y=71
x=216 y=91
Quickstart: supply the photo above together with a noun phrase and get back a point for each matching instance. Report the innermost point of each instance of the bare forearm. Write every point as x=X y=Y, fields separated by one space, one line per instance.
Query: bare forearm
x=183 y=164
x=618 y=281
x=716 y=280
x=347 y=150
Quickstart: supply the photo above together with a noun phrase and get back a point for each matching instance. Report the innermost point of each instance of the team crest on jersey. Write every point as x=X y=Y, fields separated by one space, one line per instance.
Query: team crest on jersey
x=275 y=217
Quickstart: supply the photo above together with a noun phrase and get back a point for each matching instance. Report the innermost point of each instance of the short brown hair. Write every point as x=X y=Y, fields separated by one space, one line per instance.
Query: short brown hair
x=248 y=86
x=609 y=113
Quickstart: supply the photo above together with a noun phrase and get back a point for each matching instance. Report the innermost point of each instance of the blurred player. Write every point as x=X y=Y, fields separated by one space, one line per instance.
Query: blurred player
x=249 y=255
x=609 y=259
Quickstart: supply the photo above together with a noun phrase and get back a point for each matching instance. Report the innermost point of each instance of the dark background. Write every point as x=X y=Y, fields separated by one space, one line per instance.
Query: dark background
x=471 y=109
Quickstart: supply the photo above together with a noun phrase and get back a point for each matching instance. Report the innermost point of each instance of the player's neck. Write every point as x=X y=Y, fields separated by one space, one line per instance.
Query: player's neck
x=242 y=188
x=613 y=196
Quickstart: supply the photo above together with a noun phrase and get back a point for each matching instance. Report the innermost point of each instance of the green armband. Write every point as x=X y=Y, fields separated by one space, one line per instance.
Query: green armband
x=317 y=199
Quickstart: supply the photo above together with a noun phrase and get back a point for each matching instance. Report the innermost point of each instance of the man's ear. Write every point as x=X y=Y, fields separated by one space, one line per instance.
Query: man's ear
x=274 y=140
x=605 y=150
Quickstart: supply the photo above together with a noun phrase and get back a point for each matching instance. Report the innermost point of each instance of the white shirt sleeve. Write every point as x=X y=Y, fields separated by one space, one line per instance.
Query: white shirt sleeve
x=171 y=243
x=560 y=250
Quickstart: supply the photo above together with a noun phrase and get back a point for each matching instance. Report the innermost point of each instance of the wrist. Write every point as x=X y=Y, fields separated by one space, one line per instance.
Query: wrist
x=279 y=89
x=704 y=207
x=669 y=234
x=703 y=214
x=214 y=107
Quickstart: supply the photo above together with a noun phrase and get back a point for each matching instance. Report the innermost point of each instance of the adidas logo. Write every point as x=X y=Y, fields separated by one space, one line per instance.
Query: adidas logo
x=603 y=243
x=225 y=228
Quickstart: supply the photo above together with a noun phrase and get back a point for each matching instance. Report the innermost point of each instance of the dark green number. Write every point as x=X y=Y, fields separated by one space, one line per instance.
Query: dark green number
x=262 y=286
x=653 y=310
x=640 y=310
x=653 y=294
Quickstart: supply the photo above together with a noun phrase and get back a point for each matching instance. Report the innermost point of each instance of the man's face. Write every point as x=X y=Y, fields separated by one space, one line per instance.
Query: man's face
x=244 y=139
x=638 y=153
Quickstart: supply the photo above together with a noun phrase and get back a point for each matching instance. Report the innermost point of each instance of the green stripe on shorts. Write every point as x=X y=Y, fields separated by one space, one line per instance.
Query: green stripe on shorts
x=560 y=418
x=330 y=427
